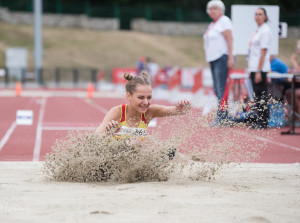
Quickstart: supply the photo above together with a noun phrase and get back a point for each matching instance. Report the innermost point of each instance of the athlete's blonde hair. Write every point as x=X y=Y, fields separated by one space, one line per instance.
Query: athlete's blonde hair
x=133 y=81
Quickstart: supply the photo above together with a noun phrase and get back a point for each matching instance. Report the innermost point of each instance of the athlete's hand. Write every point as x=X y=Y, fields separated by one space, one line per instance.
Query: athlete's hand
x=183 y=106
x=112 y=124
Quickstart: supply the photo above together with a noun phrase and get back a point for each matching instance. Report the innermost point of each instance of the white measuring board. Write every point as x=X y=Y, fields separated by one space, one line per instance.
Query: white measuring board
x=24 y=117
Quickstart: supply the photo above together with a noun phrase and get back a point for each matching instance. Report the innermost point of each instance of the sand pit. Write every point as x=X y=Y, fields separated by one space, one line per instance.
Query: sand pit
x=243 y=193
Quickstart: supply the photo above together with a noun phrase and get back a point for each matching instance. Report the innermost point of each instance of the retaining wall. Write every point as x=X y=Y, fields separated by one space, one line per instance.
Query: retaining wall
x=139 y=24
x=60 y=20
x=183 y=28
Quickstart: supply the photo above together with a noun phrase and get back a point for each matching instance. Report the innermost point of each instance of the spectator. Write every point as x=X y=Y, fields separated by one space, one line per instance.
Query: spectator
x=294 y=58
x=141 y=65
x=278 y=85
x=152 y=68
x=278 y=65
x=259 y=66
x=218 y=49
x=296 y=68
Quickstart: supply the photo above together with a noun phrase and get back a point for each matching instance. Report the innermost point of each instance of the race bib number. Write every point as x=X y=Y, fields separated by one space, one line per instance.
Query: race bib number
x=130 y=131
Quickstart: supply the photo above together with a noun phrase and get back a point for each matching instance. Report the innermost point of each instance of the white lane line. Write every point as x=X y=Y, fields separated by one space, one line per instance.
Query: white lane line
x=271 y=141
x=38 y=136
x=7 y=135
x=98 y=107
x=66 y=128
x=70 y=124
x=277 y=143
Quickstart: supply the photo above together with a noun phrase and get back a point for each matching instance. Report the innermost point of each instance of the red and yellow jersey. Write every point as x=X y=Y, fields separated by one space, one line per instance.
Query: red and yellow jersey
x=125 y=130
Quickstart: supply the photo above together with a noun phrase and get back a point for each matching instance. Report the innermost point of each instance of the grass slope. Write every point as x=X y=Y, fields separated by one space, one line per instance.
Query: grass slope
x=65 y=47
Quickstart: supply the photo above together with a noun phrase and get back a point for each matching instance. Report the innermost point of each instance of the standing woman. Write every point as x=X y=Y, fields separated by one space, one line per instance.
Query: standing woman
x=259 y=65
x=218 y=48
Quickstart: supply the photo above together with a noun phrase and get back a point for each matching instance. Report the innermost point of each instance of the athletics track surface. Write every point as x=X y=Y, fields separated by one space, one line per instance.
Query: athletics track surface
x=55 y=116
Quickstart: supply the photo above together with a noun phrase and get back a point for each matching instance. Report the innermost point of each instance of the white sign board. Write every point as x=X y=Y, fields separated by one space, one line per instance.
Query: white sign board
x=16 y=60
x=24 y=117
x=283 y=30
x=244 y=26
x=2 y=72
x=16 y=57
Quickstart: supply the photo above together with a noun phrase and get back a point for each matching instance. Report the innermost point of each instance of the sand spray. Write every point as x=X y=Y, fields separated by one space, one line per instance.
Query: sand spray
x=201 y=149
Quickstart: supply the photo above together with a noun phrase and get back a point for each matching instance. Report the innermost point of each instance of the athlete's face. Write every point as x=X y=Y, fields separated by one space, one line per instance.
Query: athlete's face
x=260 y=17
x=140 y=100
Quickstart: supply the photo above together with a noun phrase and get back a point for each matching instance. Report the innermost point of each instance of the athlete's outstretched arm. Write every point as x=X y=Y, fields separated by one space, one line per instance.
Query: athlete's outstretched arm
x=110 y=120
x=181 y=108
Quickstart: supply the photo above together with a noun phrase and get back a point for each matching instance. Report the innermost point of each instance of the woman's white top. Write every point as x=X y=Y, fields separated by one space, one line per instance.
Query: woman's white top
x=261 y=39
x=215 y=44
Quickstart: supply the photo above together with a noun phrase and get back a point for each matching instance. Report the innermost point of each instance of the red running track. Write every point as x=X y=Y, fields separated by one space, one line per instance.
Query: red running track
x=55 y=116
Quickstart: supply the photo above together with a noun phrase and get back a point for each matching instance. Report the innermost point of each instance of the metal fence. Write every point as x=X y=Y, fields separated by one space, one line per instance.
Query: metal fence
x=51 y=77
x=126 y=14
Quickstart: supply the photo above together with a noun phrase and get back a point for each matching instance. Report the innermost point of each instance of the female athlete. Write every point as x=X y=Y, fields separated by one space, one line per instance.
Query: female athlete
x=133 y=118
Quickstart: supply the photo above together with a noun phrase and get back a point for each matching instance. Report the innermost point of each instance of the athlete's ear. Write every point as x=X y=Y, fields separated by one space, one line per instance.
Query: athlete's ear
x=128 y=95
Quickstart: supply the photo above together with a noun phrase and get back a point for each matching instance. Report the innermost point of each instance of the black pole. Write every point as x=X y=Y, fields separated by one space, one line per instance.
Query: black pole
x=293 y=103
x=57 y=76
x=6 y=77
x=23 y=75
x=292 y=130
x=94 y=77
x=75 y=77
x=38 y=75
x=41 y=76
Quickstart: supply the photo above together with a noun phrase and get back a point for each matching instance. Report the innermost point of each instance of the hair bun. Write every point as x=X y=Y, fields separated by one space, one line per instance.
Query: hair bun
x=145 y=74
x=128 y=76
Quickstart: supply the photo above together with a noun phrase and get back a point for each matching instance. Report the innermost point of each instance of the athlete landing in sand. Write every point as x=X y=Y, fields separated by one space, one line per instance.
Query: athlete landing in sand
x=135 y=117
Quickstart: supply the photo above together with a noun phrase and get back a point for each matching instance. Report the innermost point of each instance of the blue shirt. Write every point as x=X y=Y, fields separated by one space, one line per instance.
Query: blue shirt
x=278 y=66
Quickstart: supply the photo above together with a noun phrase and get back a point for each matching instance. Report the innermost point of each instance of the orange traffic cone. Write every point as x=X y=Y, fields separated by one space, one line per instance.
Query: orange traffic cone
x=90 y=90
x=18 y=88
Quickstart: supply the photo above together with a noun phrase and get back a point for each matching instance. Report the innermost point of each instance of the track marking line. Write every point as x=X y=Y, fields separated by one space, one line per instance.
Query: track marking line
x=66 y=128
x=272 y=142
x=98 y=107
x=277 y=143
x=38 y=137
x=70 y=124
x=7 y=135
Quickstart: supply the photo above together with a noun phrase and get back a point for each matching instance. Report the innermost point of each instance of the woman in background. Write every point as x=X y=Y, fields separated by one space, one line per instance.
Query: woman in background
x=218 y=49
x=259 y=66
